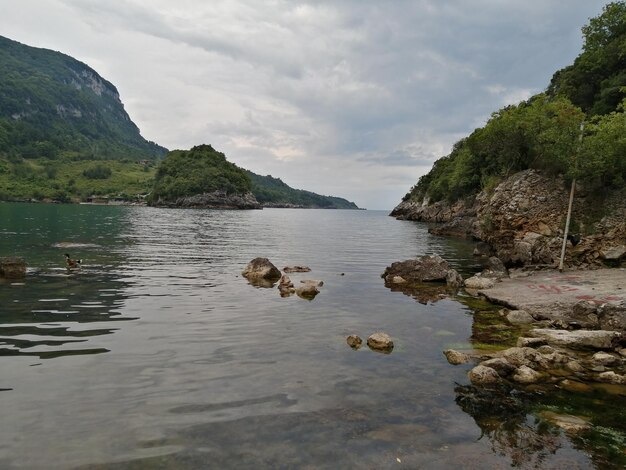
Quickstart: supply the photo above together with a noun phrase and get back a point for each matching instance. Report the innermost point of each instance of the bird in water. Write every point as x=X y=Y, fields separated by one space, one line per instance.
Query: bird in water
x=72 y=263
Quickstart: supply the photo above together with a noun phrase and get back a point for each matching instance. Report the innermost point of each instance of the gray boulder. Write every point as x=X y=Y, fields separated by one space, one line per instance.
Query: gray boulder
x=478 y=282
x=526 y=375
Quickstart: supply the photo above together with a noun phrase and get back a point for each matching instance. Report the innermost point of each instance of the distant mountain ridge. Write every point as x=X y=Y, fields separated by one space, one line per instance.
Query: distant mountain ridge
x=65 y=136
x=52 y=104
x=273 y=192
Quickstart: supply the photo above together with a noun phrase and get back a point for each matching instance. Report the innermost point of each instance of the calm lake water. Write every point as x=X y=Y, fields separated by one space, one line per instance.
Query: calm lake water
x=158 y=354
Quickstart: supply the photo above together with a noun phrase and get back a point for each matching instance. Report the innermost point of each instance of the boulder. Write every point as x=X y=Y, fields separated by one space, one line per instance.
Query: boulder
x=478 y=282
x=526 y=375
x=12 y=267
x=307 y=291
x=354 y=341
x=454 y=279
x=612 y=316
x=524 y=357
x=261 y=268
x=585 y=314
x=380 y=342
x=501 y=366
x=483 y=375
x=495 y=268
x=578 y=339
x=614 y=253
x=424 y=269
x=519 y=317
x=296 y=269
x=455 y=357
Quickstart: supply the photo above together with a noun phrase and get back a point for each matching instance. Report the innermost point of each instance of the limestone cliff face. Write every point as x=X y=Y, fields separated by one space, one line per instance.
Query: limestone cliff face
x=522 y=221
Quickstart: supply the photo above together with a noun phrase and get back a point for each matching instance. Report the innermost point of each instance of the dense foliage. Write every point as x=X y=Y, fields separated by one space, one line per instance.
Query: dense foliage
x=544 y=132
x=52 y=105
x=199 y=170
x=270 y=190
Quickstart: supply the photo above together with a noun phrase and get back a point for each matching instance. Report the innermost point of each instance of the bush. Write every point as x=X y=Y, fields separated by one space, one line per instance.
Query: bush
x=98 y=172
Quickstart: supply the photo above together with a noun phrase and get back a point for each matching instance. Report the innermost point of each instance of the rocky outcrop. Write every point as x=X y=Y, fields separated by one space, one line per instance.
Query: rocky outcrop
x=261 y=268
x=12 y=267
x=423 y=269
x=521 y=221
x=213 y=200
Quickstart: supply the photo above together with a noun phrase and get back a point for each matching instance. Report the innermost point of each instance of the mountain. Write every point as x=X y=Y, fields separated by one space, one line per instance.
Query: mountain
x=273 y=192
x=52 y=105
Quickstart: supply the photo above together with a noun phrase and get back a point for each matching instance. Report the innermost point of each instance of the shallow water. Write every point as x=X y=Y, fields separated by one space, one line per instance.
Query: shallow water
x=158 y=354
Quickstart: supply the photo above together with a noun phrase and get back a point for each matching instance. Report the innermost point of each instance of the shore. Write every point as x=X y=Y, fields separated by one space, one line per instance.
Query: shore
x=552 y=293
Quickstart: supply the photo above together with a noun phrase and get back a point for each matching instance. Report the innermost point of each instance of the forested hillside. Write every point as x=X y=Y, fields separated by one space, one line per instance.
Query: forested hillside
x=544 y=132
x=272 y=191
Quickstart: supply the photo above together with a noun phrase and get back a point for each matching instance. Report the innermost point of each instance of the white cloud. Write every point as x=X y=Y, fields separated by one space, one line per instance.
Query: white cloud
x=353 y=98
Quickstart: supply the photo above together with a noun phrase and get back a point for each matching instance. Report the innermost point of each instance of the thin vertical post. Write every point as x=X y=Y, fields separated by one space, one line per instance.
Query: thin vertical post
x=571 y=199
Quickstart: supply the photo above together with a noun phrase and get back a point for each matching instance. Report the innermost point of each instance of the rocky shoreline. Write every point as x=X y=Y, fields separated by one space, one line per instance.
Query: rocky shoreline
x=521 y=222
x=213 y=200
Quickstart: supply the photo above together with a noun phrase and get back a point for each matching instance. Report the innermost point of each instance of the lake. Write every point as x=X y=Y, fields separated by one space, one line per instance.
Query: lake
x=158 y=354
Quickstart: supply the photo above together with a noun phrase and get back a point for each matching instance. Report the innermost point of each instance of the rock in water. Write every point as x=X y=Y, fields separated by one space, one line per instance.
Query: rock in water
x=354 y=341
x=12 y=267
x=424 y=269
x=261 y=268
x=455 y=357
x=296 y=269
x=307 y=291
x=380 y=342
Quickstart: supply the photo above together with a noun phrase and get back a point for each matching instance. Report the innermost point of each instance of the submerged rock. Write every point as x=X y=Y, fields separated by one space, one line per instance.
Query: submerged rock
x=568 y=423
x=296 y=269
x=380 y=342
x=312 y=282
x=261 y=268
x=456 y=357
x=12 y=267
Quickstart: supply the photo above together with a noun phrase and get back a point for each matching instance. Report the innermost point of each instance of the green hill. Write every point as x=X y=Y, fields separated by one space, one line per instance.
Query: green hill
x=52 y=105
x=271 y=191
x=543 y=132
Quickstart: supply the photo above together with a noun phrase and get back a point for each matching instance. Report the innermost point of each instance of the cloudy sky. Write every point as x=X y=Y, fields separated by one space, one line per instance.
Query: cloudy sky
x=353 y=98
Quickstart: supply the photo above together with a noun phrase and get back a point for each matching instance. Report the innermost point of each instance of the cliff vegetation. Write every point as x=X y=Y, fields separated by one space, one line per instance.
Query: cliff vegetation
x=544 y=132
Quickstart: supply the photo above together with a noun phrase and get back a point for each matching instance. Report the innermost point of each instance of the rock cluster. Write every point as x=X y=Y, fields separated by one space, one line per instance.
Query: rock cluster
x=262 y=273
x=379 y=342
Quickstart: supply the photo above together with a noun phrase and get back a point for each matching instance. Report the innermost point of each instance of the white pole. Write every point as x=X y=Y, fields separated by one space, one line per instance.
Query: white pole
x=569 y=214
x=571 y=201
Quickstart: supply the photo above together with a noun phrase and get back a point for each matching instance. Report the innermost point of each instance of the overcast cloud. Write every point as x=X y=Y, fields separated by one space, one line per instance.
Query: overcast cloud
x=352 y=98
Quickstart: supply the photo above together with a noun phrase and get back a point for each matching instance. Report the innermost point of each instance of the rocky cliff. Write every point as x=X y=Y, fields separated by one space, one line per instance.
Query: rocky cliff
x=521 y=221
x=213 y=200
